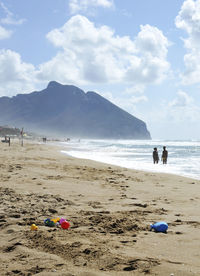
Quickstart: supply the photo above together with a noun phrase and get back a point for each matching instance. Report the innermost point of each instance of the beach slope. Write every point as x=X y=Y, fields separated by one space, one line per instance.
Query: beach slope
x=110 y=209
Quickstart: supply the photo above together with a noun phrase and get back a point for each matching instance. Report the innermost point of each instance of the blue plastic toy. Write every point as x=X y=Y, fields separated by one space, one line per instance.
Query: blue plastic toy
x=160 y=226
x=49 y=222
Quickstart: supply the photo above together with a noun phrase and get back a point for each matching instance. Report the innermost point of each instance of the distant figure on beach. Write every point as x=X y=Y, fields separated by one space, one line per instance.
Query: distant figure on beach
x=164 y=155
x=155 y=156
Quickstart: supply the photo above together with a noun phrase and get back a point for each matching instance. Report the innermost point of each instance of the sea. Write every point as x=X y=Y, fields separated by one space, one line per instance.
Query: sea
x=183 y=156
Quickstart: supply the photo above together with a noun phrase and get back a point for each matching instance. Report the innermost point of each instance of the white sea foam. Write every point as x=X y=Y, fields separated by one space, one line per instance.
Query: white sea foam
x=184 y=156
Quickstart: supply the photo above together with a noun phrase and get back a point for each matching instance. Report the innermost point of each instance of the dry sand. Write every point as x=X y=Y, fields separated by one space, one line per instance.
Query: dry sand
x=110 y=209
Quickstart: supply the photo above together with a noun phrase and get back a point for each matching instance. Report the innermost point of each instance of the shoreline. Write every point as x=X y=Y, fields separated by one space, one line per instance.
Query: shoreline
x=134 y=169
x=138 y=157
x=110 y=209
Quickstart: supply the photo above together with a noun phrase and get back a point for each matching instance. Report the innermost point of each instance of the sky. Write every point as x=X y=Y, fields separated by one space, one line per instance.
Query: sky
x=143 y=56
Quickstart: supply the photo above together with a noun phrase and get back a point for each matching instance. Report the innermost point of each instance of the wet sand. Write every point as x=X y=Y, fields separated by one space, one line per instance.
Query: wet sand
x=110 y=209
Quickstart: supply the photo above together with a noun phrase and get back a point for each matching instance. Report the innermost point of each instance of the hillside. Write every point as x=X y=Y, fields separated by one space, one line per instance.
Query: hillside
x=67 y=110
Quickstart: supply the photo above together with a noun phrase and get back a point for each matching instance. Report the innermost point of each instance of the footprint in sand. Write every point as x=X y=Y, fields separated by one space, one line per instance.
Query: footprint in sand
x=124 y=242
x=141 y=205
x=11 y=247
x=178 y=220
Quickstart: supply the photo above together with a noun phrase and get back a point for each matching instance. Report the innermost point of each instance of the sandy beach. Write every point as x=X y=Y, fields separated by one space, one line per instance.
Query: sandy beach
x=110 y=210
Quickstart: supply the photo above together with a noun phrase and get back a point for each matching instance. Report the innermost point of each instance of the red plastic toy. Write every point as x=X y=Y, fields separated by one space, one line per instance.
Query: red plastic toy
x=65 y=225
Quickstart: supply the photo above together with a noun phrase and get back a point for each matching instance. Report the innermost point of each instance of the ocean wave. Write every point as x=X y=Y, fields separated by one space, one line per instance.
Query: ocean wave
x=184 y=156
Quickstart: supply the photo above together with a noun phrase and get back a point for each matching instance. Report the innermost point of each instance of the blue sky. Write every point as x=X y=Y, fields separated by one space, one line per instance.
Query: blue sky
x=142 y=55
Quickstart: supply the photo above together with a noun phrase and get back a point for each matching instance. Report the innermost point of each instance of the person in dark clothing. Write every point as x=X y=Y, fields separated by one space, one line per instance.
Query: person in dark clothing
x=164 y=155
x=155 y=156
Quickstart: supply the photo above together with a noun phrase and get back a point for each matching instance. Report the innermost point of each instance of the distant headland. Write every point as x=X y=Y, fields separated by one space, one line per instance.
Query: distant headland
x=68 y=110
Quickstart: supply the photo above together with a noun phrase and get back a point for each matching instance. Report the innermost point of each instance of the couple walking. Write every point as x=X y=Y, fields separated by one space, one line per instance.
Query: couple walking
x=156 y=156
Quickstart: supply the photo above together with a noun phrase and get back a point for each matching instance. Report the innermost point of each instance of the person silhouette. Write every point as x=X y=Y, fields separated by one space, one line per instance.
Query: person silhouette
x=164 y=155
x=155 y=156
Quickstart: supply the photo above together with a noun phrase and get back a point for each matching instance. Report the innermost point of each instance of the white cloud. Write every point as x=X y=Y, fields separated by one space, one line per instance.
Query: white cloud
x=129 y=104
x=89 y=54
x=4 y=33
x=183 y=108
x=188 y=20
x=151 y=41
x=150 y=65
x=138 y=99
x=183 y=100
x=80 y=6
x=15 y=75
x=10 y=18
x=134 y=89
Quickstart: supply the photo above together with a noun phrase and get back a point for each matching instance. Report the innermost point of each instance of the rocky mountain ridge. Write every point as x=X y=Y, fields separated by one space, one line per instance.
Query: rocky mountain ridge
x=68 y=110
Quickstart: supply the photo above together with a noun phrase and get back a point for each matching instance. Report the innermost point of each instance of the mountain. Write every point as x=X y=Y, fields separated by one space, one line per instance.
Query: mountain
x=67 y=110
